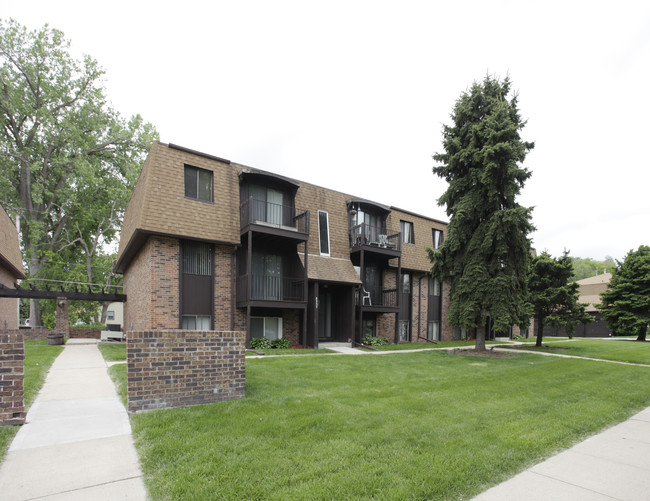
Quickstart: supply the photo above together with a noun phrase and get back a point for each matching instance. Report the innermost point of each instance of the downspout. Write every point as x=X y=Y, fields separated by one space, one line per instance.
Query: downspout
x=419 y=306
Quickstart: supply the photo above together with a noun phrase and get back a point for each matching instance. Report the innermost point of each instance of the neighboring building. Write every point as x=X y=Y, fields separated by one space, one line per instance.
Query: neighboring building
x=209 y=244
x=590 y=290
x=11 y=269
x=115 y=314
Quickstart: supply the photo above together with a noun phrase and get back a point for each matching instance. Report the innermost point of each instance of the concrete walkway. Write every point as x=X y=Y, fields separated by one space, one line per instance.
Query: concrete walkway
x=613 y=465
x=76 y=443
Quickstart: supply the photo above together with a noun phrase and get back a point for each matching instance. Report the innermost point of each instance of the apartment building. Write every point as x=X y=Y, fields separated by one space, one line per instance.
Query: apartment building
x=208 y=244
x=11 y=269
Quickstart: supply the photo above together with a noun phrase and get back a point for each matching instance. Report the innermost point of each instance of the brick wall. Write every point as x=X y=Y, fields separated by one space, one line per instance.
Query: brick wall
x=85 y=333
x=175 y=368
x=12 y=374
x=291 y=326
x=224 y=288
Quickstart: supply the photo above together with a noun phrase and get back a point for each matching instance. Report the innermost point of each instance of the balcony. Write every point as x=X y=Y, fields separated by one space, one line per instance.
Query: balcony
x=375 y=239
x=378 y=299
x=274 y=219
x=269 y=290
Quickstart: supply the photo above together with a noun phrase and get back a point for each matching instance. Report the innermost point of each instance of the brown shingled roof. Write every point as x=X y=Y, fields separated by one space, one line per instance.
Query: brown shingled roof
x=330 y=269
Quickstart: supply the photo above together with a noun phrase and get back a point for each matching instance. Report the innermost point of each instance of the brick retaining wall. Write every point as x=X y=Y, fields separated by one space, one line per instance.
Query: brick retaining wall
x=176 y=368
x=12 y=373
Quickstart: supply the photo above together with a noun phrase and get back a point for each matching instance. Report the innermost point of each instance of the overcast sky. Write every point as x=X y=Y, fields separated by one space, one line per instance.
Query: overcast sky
x=344 y=94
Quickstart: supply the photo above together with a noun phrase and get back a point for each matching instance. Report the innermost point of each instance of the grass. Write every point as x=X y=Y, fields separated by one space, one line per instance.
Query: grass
x=427 y=425
x=290 y=351
x=621 y=350
x=113 y=352
x=419 y=346
x=39 y=357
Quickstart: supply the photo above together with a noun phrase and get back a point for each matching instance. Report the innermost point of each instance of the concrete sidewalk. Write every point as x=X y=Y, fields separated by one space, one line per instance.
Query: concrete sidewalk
x=613 y=465
x=76 y=443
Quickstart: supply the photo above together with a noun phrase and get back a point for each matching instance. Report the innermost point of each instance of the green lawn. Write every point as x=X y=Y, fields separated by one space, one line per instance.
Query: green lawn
x=289 y=351
x=622 y=350
x=113 y=352
x=419 y=346
x=427 y=425
x=38 y=359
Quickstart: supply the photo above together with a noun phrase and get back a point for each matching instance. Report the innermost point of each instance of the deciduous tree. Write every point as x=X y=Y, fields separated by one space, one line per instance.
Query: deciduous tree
x=68 y=160
x=486 y=252
x=625 y=304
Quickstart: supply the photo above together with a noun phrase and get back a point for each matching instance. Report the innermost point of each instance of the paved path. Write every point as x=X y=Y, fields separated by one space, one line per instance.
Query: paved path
x=613 y=465
x=76 y=443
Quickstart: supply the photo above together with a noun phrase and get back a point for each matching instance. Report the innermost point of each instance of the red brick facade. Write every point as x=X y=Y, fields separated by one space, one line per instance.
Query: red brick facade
x=175 y=368
x=12 y=373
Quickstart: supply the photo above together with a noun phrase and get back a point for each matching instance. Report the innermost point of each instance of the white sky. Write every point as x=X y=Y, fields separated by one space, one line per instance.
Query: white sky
x=336 y=92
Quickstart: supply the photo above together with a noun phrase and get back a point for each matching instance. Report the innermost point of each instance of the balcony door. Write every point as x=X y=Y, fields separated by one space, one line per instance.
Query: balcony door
x=267 y=205
x=267 y=276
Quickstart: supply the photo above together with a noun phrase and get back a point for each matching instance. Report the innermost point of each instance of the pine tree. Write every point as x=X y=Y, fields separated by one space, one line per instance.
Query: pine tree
x=626 y=302
x=486 y=252
x=553 y=294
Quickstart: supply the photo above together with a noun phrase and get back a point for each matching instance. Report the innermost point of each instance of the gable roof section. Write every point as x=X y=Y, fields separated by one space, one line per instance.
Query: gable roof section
x=330 y=269
x=158 y=205
x=10 y=257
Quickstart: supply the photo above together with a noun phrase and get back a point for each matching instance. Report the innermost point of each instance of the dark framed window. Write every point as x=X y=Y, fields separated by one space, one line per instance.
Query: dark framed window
x=438 y=238
x=197 y=258
x=198 y=183
x=324 y=233
x=407 y=232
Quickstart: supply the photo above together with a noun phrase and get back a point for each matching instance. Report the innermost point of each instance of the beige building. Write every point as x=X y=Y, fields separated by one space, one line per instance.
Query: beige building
x=11 y=269
x=210 y=244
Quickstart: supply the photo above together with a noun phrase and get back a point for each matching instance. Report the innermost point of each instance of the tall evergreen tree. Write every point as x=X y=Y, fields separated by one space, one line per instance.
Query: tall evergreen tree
x=487 y=251
x=553 y=294
x=625 y=304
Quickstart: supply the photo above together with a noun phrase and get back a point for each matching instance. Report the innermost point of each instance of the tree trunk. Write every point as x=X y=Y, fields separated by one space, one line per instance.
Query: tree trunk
x=35 y=318
x=480 y=339
x=540 y=332
x=642 y=333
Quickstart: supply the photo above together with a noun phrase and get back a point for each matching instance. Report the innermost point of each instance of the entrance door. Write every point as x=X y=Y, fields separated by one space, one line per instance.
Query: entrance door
x=325 y=316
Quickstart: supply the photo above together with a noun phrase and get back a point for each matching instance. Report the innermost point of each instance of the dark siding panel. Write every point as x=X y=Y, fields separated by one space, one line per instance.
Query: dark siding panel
x=197 y=297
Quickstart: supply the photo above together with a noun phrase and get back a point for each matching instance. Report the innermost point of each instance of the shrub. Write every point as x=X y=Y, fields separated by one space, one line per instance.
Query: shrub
x=375 y=340
x=260 y=343
x=281 y=344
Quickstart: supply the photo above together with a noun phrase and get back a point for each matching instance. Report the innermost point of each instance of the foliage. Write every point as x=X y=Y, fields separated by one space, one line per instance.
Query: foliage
x=587 y=267
x=68 y=160
x=281 y=343
x=553 y=295
x=260 y=343
x=375 y=341
x=406 y=426
x=625 y=304
x=486 y=251
x=94 y=325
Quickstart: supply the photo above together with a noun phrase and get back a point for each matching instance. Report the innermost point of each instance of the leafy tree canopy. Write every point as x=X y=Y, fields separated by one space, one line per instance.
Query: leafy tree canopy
x=553 y=294
x=486 y=251
x=68 y=160
x=625 y=304
x=587 y=267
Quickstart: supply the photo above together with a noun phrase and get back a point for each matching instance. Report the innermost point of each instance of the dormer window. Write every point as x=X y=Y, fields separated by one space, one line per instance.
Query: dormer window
x=198 y=183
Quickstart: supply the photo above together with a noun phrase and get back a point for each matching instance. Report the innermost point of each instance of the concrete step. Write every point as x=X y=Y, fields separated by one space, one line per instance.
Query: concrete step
x=334 y=345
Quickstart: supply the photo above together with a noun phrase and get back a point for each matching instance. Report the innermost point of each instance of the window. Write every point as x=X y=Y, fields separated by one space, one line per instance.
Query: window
x=404 y=331
x=324 y=233
x=407 y=232
x=406 y=283
x=110 y=315
x=438 y=238
x=268 y=204
x=197 y=258
x=198 y=183
x=433 y=333
x=434 y=286
x=268 y=327
x=461 y=333
x=196 y=322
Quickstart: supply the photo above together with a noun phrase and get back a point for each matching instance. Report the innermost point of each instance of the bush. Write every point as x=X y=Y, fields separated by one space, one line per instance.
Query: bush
x=281 y=344
x=375 y=341
x=260 y=343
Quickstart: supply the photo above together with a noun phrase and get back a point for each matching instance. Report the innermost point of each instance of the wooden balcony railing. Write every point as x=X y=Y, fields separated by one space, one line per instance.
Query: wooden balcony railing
x=284 y=217
x=373 y=236
x=270 y=288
